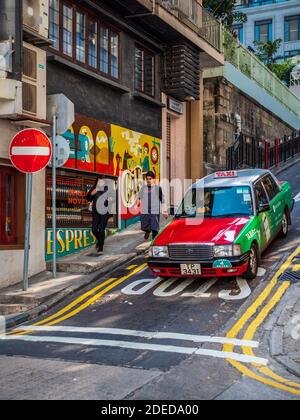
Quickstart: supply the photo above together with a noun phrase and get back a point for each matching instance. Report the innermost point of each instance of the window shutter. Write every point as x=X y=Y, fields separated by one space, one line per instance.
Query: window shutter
x=270 y=32
x=257 y=33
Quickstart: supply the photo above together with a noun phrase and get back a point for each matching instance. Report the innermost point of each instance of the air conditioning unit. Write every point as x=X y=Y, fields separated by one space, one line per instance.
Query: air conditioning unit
x=36 y=16
x=34 y=82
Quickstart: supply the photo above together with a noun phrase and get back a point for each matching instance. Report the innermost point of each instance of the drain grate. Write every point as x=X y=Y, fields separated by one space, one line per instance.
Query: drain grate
x=293 y=276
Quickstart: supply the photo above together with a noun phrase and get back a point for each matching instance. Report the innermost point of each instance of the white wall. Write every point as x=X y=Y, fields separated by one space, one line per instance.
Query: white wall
x=11 y=262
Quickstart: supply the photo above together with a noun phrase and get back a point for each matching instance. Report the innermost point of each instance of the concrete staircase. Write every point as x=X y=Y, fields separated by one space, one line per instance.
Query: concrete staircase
x=15 y=303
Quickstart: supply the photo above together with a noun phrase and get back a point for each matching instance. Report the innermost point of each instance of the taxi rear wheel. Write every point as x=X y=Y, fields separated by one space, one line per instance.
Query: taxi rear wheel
x=285 y=225
x=252 y=271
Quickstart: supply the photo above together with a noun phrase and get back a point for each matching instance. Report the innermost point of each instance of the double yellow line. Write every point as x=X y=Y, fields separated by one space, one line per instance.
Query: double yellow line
x=69 y=311
x=270 y=378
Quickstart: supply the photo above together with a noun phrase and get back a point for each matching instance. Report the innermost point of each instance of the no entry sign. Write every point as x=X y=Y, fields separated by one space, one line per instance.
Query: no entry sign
x=30 y=151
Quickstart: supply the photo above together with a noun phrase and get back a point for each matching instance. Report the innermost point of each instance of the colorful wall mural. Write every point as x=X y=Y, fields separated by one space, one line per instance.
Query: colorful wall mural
x=98 y=147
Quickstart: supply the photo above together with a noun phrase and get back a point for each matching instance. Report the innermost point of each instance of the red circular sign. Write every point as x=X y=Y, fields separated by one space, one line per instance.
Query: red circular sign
x=30 y=151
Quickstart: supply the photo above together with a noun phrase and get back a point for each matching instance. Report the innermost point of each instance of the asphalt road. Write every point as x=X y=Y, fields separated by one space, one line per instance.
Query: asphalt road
x=133 y=336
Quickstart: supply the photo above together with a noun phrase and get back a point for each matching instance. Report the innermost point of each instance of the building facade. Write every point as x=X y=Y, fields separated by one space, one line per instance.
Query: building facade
x=133 y=71
x=22 y=105
x=269 y=20
x=245 y=102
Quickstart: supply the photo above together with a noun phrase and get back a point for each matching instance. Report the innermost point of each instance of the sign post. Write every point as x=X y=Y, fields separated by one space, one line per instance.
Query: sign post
x=27 y=230
x=62 y=114
x=54 y=227
x=30 y=152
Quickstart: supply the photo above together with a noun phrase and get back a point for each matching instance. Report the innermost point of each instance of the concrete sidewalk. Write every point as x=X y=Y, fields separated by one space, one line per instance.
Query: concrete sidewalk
x=75 y=272
x=284 y=336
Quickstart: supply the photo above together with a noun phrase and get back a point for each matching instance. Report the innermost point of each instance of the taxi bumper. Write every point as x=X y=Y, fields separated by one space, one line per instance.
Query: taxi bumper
x=169 y=268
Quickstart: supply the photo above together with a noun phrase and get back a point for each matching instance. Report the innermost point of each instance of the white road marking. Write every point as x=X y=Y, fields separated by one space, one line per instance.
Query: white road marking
x=297 y=198
x=144 y=334
x=30 y=151
x=245 y=291
x=142 y=346
x=161 y=291
x=201 y=292
x=161 y=287
x=132 y=288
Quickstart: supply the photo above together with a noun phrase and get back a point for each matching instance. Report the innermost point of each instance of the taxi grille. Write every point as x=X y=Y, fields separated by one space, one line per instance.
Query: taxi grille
x=191 y=252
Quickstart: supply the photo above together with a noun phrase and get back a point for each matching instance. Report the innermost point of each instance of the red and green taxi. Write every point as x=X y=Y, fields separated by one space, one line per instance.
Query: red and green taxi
x=224 y=224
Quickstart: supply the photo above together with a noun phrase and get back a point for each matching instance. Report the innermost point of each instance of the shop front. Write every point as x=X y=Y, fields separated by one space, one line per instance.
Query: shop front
x=123 y=156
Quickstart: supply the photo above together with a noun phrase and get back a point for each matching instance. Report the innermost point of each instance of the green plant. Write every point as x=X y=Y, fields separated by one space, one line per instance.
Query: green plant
x=283 y=70
x=267 y=51
x=225 y=11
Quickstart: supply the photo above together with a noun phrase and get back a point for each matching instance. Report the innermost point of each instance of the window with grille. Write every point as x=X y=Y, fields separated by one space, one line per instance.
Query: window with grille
x=144 y=71
x=264 y=31
x=292 y=28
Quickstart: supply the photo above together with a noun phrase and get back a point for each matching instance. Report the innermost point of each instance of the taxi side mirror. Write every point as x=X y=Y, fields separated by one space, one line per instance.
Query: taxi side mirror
x=263 y=208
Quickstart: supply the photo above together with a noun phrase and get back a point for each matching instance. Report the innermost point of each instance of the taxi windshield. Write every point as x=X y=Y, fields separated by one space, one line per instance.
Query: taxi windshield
x=216 y=203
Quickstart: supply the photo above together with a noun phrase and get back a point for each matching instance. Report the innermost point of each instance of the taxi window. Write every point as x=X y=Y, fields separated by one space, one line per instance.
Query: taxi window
x=260 y=194
x=217 y=202
x=271 y=187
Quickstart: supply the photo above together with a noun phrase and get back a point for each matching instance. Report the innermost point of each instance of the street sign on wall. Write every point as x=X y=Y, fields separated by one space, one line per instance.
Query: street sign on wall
x=30 y=151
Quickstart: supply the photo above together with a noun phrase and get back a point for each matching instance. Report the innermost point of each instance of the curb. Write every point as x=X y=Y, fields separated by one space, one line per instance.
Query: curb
x=283 y=316
x=61 y=296
x=286 y=167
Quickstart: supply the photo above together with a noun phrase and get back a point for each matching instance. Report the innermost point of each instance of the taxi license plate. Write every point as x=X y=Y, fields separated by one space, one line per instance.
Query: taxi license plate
x=191 y=269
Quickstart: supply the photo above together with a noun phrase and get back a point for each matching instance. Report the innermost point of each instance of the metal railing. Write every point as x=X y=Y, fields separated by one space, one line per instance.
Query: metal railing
x=249 y=64
x=295 y=78
x=251 y=153
x=197 y=18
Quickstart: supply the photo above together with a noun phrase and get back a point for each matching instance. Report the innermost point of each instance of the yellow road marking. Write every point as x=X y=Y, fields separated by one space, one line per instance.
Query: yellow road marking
x=75 y=302
x=90 y=301
x=257 y=323
x=237 y=328
x=131 y=267
x=69 y=307
x=250 y=333
x=296 y=267
x=268 y=372
x=276 y=381
x=247 y=372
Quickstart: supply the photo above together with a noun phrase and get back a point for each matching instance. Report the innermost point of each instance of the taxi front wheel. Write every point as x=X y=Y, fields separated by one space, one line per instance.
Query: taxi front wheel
x=252 y=271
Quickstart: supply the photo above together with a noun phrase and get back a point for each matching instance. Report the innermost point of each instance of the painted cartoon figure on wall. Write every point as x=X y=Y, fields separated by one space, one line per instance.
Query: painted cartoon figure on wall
x=146 y=160
x=116 y=151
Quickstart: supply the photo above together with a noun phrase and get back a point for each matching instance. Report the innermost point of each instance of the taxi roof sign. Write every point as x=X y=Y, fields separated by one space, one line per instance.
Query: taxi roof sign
x=226 y=174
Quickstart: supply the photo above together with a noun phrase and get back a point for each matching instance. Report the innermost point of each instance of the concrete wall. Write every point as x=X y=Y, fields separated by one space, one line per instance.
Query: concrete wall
x=11 y=262
x=99 y=100
x=179 y=150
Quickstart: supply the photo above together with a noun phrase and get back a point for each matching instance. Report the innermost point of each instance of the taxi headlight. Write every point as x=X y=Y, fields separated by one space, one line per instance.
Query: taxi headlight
x=224 y=251
x=159 y=252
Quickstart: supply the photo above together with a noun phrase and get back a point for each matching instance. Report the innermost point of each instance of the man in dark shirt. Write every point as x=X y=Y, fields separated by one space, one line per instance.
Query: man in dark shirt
x=150 y=198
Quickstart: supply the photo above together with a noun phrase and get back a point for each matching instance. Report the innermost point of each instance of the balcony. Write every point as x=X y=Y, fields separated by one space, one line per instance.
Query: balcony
x=192 y=14
x=176 y=21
